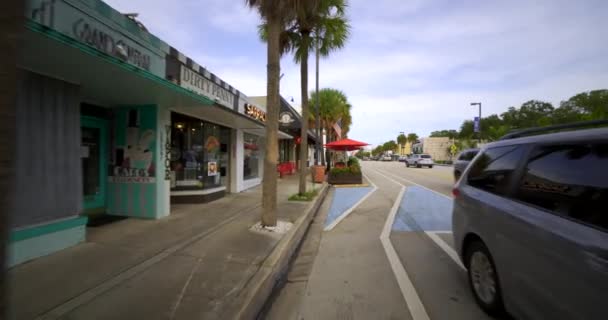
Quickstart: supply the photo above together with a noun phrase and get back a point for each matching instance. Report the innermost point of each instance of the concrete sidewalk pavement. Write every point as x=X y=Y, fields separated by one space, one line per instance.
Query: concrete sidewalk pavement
x=202 y=262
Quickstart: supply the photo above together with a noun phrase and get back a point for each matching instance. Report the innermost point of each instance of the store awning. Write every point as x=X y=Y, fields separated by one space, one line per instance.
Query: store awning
x=262 y=133
x=103 y=79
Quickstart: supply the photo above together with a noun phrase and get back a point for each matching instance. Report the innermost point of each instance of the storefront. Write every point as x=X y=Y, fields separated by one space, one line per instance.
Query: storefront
x=103 y=127
x=200 y=158
x=290 y=123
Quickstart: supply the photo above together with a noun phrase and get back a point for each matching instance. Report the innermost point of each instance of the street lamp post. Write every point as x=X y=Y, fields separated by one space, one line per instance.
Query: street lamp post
x=479 y=129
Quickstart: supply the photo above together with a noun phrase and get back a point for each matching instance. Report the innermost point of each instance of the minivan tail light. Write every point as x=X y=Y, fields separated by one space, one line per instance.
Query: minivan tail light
x=455 y=192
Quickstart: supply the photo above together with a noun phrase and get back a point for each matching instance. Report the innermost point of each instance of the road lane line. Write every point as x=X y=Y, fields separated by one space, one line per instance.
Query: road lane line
x=394 y=181
x=347 y=212
x=446 y=248
x=414 y=183
x=408 y=291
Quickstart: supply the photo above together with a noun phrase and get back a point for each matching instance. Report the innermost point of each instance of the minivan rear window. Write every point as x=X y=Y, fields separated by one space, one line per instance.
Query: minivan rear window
x=570 y=180
x=493 y=170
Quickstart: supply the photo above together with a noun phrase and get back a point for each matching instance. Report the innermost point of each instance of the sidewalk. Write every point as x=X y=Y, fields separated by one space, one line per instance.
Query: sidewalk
x=201 y=262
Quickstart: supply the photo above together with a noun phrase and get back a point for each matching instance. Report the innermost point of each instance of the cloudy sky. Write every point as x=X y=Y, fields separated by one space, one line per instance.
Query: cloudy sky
x=410 y=66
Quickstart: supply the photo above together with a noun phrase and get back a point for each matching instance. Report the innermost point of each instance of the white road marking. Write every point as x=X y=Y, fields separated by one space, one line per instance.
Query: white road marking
x=412 y=300
x=414 y=183
x=445 y=247
x=432 y=234
x=347 y=212
x=394 y=181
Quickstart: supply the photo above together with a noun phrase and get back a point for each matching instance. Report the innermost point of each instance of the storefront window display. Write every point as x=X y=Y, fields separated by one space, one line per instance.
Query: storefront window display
x=251 y=156
x=199 y=151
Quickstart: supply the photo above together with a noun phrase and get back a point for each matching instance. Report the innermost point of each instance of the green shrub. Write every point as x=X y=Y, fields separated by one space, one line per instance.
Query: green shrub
x=307 y=196
x=339 y=170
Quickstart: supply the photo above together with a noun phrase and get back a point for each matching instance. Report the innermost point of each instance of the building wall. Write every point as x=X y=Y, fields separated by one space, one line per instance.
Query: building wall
x=134 y=167
x=48 y=184
x=437 y=147
x=405 y=149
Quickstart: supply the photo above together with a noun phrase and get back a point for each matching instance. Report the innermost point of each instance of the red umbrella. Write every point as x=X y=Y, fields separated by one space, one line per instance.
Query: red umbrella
x=346 y=145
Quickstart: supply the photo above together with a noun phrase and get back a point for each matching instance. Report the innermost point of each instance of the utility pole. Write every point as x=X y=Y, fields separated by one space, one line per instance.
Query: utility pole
x=318 y=112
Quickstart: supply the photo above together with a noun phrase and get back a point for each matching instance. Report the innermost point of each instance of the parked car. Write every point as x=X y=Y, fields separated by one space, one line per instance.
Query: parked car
x=463 y=160
x=402 y=158
x=387 y=158
x=419 y=160
x=531 y=226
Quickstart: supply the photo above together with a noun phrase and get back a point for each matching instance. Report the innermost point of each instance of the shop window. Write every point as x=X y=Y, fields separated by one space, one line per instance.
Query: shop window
x=493 y=170
x=251 y=156
x=569 y=180
x=199 y=153
x=284 y=150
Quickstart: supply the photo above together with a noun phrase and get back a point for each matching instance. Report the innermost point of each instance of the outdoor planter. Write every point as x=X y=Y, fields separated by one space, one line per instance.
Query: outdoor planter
x=345 y=178
x=318 y=174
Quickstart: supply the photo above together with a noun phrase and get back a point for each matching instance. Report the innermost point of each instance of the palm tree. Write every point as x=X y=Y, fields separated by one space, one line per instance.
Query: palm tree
x=326 y=20
x=12 y=28
x=275 y=14
x=401 y=140
x=412 y=138
x=333 y=108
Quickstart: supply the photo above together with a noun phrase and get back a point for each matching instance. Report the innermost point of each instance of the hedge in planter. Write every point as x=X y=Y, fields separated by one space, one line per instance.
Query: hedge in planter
x=348 y=175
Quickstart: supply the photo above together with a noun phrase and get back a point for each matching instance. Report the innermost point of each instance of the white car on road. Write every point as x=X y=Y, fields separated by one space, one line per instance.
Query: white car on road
x=419 y=160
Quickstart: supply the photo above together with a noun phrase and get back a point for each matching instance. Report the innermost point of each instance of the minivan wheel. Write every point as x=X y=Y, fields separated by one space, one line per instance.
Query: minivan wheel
x=407 y=165
x=483 y=278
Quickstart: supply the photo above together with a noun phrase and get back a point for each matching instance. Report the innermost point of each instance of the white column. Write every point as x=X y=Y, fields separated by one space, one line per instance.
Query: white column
x=163 y=186
x=236 y=161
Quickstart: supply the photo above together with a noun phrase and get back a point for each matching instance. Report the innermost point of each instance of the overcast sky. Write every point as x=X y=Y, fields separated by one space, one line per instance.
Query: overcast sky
x=410 y=66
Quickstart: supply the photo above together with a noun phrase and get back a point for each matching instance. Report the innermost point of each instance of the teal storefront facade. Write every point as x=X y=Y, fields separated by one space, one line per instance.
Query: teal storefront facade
x=94 y=119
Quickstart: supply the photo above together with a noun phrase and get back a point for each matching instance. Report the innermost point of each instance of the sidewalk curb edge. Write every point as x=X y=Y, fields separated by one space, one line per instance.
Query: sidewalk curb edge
x=263 y=282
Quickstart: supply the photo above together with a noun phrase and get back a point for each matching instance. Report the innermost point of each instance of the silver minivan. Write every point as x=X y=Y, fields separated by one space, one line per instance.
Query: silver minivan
x=530 y=223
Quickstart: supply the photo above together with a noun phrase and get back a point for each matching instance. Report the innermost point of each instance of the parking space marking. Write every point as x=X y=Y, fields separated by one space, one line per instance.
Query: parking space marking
x=353 y=207
x=414 y=304
x=411 y=182
x=445 y=247
x=408 y=291
x=421 y=210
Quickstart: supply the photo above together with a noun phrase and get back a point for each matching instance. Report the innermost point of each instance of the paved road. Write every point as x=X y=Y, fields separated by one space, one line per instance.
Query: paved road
x=391 y=257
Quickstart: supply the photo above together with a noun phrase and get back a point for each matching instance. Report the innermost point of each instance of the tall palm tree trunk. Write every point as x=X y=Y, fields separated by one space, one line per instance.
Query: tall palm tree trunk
x=12 y=23
x=269 y=185
x=305 y=113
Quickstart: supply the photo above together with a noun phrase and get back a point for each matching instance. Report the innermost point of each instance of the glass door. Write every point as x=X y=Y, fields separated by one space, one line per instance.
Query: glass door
x=94 y=162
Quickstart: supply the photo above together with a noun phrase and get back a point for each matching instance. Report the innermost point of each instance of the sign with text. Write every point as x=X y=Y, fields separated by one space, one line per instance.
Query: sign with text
x=64 y=17
x=476 y=124
x=196 y=82
x=255 y=112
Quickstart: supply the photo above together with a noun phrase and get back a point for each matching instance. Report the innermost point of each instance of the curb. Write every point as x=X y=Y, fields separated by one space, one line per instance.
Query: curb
x=260 y=287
